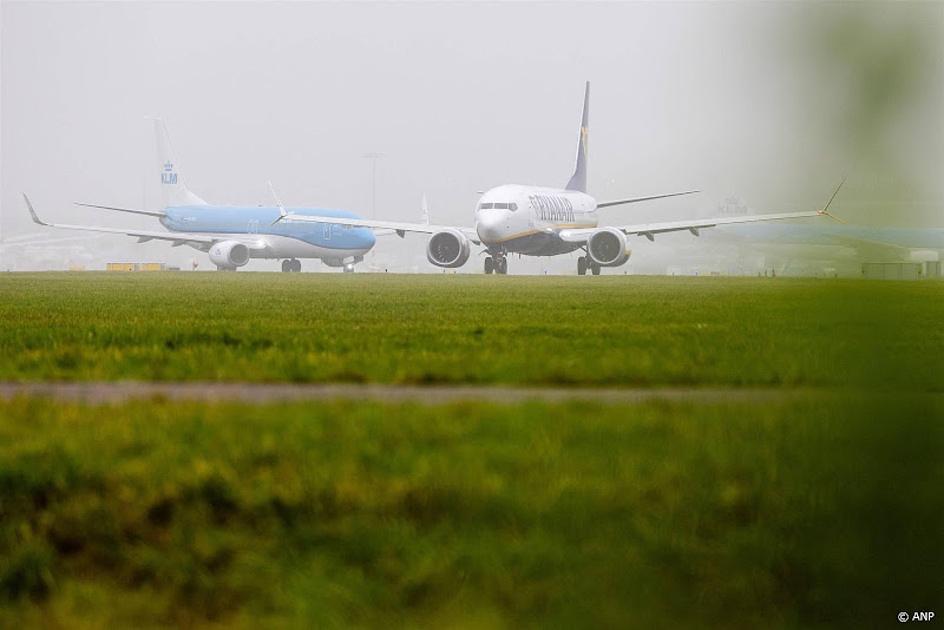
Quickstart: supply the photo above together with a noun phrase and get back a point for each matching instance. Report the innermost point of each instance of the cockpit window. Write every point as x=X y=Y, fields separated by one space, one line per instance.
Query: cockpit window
x=498 y=206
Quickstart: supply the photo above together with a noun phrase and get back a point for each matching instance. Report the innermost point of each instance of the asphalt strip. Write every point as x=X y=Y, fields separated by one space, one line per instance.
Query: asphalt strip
x=120 y=391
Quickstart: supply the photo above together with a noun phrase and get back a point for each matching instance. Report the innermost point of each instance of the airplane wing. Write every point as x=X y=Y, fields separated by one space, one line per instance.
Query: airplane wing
x=178 y=238
x=400 y=227
x=379 y=232
x=619 y=202
x=649 y=230
x=150 y=213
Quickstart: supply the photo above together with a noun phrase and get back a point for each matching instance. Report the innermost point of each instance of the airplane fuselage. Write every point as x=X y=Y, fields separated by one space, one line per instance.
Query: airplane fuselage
x=527 y=219
x=331 y=242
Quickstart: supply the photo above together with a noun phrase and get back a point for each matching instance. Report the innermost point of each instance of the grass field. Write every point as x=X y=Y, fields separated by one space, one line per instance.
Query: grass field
x=470 y=329
x=790 y=511
x=817 y=513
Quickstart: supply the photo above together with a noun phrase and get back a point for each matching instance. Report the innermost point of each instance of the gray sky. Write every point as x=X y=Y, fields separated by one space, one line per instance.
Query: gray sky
x=772 y=102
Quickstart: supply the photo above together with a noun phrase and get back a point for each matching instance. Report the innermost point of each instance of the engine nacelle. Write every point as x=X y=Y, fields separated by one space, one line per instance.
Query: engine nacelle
x=449 y=248
x=607 y=247
x=229 y=254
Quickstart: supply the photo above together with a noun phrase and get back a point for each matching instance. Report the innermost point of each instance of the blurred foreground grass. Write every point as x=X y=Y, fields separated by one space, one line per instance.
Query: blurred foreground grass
x=821 y=512
x=612 y=330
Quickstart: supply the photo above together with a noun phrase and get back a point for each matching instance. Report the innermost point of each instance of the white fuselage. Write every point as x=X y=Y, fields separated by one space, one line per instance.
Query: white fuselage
x=527 y=219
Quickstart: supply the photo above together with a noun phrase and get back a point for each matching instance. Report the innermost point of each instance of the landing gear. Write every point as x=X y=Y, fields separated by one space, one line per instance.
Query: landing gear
x=291 y=265
x=584 y=264
x=496 y=264
x=349 y=268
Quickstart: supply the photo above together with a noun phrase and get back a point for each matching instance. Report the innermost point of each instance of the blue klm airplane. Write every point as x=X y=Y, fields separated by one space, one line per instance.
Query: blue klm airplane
x=232 y=235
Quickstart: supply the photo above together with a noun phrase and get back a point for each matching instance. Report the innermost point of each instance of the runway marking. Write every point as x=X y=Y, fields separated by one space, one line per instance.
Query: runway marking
x=120 y=391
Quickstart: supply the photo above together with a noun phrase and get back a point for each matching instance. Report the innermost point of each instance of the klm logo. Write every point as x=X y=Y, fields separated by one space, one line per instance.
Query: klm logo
x=168 y=176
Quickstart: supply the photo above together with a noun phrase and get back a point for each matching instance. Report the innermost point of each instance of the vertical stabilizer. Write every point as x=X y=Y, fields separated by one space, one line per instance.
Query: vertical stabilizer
x=173 y=190
x=578 y=180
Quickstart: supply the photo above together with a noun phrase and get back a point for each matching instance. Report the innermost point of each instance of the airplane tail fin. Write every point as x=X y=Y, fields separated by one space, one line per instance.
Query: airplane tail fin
x=173 y=189
x=578 y=180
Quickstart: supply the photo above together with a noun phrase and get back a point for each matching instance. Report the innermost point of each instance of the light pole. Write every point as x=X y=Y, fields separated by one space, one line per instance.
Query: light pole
x=373 y=157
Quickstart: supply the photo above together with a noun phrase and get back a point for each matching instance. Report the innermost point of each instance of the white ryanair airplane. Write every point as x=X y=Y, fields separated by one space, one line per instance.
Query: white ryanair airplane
x=536 y=221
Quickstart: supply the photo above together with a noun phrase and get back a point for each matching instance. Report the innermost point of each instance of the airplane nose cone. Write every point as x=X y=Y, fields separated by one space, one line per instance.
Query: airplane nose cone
x=490 y=226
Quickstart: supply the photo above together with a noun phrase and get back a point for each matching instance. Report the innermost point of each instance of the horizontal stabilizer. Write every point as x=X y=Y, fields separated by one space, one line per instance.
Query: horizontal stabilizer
x=150 y=213
x=620 y=202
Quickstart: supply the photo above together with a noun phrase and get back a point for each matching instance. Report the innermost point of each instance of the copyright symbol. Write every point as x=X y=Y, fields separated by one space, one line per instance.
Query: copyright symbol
x=903 y=616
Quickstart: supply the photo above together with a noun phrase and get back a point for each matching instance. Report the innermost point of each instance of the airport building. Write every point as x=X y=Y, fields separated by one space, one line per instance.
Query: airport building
x=931 y=269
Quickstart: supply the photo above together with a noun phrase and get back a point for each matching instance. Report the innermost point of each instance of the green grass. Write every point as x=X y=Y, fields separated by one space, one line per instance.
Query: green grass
x=819 y=510
x=817 y=513
x=446 y=328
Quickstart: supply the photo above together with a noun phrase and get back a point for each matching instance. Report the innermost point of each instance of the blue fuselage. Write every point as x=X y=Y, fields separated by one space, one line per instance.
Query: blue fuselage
x=261 y=220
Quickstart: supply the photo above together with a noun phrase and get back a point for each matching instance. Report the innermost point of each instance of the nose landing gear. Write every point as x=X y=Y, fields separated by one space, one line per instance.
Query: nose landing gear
x=496 y=263
x=291 y=265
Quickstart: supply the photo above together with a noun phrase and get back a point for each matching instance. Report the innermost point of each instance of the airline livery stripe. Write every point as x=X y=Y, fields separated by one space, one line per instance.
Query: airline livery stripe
x=531 y=232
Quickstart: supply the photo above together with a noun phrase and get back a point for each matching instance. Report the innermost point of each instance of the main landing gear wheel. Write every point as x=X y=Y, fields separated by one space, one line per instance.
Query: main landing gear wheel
x=291 y=265
x=496 y=264
x=349 y=268
x=584 y=264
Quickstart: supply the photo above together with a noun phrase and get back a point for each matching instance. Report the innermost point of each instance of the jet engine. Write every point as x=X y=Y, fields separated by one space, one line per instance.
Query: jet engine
x=229 y=254
x=449 y=248
x=607 y=247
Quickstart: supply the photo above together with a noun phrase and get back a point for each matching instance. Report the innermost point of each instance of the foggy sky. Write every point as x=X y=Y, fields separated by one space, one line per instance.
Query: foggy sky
x=772 y=102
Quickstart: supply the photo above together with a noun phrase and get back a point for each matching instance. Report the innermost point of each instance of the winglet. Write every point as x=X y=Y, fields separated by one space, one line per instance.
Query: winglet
x=32 y=212
x=825 y=211
x=282 y=212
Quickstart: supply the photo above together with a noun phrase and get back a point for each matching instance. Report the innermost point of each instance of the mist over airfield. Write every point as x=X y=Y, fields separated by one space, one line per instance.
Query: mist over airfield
x=771 y=102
